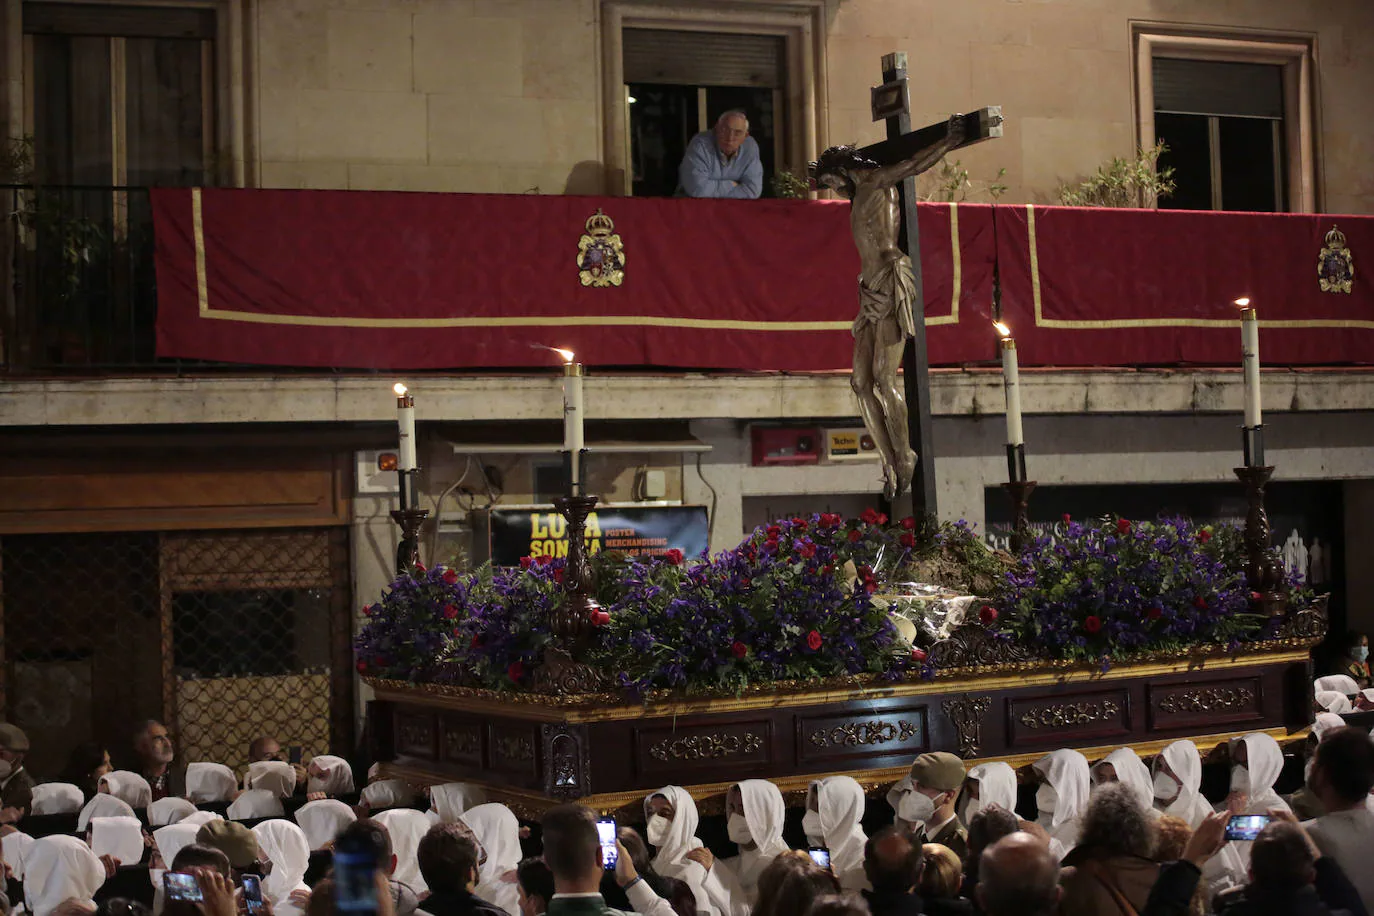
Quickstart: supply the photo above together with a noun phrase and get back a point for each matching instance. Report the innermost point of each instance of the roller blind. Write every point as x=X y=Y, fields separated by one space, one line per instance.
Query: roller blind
x=116 y=21
x=686 y=58
x=1209 y=87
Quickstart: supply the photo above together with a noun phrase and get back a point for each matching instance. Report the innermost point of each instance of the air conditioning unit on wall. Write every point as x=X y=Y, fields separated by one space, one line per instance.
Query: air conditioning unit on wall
x=784 y=445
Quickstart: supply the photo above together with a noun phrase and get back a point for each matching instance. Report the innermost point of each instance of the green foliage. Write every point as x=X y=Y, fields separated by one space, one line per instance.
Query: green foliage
x=951 y=184
x=1136 y=182
x=791 y=185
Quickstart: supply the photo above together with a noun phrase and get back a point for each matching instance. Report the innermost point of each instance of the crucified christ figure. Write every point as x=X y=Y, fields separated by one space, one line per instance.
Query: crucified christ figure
x=887 y=290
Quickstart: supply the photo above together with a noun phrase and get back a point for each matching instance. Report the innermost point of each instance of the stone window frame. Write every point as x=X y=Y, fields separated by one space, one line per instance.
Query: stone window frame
x=1294 y=53
x=231 y=104
x=801 y=25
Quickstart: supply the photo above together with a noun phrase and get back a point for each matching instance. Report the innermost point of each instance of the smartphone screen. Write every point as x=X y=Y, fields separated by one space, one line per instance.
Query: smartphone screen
x=355 y=869
x=605 y=833
x=294 y=754
x=176 y=886
x=820 y=855
x=1246 y=826
x=252 y=894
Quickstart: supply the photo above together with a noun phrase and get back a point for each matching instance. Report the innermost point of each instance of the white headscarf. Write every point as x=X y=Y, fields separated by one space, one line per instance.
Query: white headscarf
x=996 y=786
x=1182 y=758
x=407 y=827
x=129 y=787
x=273 y=775
x=208 y=783
x=57 y=798
x=324 y=820
x=453 y=798
x=1341 y=683
x=388 y=793
x=58 y=869
x=1333 y=701
x=764 y=811
x=255 y=803
x=120 y=837
x=1264 y=763
x=102 y=806
x=16 y=846
x=840 y=804
x=1132 y=773
x=894 y=795
x=1066 y=771
x=170 y=840
x=671 y=860
x=1325 y=722
x=286 y=848
x=498 y=830
x=337 y=778
x=169 y=810
x=200 y=818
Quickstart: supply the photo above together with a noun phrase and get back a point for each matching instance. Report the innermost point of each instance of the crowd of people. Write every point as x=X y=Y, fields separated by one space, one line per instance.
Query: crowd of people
x=1123 y=835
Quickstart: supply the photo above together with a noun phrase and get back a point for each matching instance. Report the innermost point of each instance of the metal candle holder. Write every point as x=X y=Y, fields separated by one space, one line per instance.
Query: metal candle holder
x=573 y=621
x=1263 y=571
x=408 y=551
x=1019 y=489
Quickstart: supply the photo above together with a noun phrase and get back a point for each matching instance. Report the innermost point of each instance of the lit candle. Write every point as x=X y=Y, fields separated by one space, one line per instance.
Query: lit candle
x=405 y=420
x=573 y=437
x=1249 y=348
x=1011 y=385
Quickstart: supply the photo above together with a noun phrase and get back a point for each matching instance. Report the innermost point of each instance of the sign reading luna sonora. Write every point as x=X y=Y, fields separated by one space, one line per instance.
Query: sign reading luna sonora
x=638 y=531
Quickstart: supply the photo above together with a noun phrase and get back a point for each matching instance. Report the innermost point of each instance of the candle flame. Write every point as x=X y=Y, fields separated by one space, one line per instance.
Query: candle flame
x=1002 y=329
x=1243 y=302
x=566 y=354
x=400 y=389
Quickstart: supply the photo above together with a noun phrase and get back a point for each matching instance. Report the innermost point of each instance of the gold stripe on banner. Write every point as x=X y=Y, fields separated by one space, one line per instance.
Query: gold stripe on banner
x=957 y=262
x=653 y=321
x=1110 y=323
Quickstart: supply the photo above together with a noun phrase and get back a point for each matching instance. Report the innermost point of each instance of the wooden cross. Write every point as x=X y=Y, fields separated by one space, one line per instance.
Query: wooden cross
x=891 y=102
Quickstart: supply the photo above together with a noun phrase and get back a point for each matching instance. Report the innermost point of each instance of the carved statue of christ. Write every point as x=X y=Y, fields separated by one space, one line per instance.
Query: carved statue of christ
x=887 y=290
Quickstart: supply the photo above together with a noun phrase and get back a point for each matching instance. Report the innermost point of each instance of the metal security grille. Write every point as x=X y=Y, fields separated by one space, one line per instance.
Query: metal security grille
x=224 y=635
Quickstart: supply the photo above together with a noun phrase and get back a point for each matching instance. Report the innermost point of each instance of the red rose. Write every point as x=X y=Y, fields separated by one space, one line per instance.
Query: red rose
x=1123 y=526
x=1204 y=535
x=869 y=516
x=367 y=610
x=830 y=520
x=907 y=539
x=545 y=560
x=476 y=640
x=362 y=666
x=674 y=556
x=740 y=649
x=854 y=536
x=909 y=523
x=450 y=577
x=870 y=586
x=1200 y=603
x=1092 y=625
x=773 y=532
x=987 y=614
x=450 y=612
x=799 y=523
x=918 y=654
x=1066 y=517
x=826 y=569
x=526 y=562
x=558 y=575
x=813 y=640
x=745 y=583
x=807 y=550
x=882 y=519
x=419 y=567
x=1256 y=596
x=516 y=671
x=1155 y=613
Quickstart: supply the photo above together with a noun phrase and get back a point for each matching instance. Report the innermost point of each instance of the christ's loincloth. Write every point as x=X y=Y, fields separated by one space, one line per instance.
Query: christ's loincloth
x=891 y=296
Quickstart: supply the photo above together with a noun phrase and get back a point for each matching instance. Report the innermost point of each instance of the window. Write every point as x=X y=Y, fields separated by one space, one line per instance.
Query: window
x=678 y=83
x=1236 y=114
x=120 y=95
x=1223 y=125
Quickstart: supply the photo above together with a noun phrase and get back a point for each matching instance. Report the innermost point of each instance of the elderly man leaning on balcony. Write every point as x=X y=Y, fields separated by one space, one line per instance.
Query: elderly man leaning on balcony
x=722 y=162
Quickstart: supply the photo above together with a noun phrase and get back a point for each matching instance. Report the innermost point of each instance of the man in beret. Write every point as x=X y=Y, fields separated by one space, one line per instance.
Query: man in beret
x=935 y=783
x=16 y=785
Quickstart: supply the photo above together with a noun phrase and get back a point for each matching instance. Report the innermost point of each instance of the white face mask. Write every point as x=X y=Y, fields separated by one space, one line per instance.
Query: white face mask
x=1046 y=798
x=6 y=768
x=657 y=830
x=1307 y=771
x=1166 y=787
x=738 y=828
x=916 y=807
x=971 y=807
x=1240 y=779
x=811 y=823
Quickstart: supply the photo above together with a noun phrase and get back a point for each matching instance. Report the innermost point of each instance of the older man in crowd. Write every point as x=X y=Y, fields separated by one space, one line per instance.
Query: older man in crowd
x=16 y=785
x=155 y=753
x=722 y=162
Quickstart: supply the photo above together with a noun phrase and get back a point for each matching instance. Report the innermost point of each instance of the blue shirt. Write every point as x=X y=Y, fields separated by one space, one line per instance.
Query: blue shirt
x=705 y=172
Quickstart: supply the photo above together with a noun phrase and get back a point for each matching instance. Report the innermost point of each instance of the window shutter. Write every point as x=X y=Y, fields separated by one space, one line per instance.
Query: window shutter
x=1210 y=87
x=118 y=21
x=685 y=58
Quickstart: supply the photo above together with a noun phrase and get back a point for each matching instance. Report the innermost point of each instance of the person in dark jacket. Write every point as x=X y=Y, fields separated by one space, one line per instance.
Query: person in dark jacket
x=1289 y=876
x=1110 y=872
x=448 y=863
x=892 y=864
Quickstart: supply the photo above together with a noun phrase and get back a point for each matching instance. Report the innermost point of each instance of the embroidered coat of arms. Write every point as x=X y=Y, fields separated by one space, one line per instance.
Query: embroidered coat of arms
x=600 y=253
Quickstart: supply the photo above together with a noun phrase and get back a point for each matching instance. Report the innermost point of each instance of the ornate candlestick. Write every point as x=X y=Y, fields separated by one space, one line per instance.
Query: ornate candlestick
x=573 y=621
x=408 y=551
x=1019 y=489
x=1263 y=572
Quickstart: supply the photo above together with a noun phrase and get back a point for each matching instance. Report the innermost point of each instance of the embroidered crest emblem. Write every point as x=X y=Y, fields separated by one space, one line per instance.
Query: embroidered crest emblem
x=1335 y=265
x=600 y=253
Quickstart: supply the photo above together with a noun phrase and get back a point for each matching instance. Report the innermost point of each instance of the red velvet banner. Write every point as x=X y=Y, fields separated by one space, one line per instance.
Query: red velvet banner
x=1089 y=287
x=434 y=281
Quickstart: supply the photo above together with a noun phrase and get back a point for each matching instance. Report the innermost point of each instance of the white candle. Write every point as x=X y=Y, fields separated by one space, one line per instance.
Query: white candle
x=1249 y=347
x=1011 y=384
x=573 y=434
x=405 y=421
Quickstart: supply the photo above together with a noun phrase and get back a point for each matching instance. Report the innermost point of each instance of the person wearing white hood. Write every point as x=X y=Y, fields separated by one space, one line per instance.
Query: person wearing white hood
x=448 y=801
x=1124 y=765
x=754 y=813
x=1177 y=781
x=671 y=830
x=987 y=785
x=324 y=820
x=328 y=776
x=498 y=834
x=1062 y=796
x=127 y=786
x=285 y=846
x=1256 y=761
x=834 y=810
x=58 y=869
x=102 y=805
x=406 y=828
